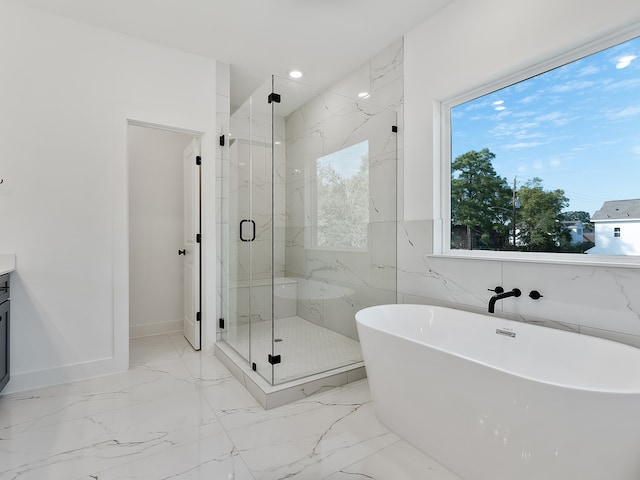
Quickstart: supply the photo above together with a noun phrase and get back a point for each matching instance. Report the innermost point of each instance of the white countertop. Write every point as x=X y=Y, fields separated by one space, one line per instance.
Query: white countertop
x=7 y=263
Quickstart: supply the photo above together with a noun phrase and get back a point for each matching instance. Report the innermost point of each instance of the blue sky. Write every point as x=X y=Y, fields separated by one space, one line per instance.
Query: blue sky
x=576 y=127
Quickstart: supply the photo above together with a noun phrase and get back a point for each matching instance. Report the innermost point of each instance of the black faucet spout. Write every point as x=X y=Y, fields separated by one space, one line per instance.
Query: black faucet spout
x=499 y=296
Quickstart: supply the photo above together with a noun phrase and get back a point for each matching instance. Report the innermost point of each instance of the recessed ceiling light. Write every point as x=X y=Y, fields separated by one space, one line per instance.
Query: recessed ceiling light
x=295 y=74
x=363 y=94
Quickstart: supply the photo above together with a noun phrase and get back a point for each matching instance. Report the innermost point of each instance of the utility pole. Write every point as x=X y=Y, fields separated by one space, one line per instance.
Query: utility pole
x=514 y=211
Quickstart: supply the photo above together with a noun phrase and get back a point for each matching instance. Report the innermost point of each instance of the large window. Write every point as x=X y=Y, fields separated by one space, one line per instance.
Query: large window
x=540 y=165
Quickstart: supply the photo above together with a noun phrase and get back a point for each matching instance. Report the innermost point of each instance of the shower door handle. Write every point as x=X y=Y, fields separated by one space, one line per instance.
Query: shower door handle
x=253 y=231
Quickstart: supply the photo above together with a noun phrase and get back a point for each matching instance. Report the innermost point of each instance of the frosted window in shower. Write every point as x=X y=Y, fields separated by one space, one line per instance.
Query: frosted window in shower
x=342 y=198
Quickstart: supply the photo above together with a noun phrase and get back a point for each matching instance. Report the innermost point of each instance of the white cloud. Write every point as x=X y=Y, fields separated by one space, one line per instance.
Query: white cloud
x=630 y=111
x=557 y=118
x=624 y=62
x=521 y=145
x=588 y=70
x=572 y=86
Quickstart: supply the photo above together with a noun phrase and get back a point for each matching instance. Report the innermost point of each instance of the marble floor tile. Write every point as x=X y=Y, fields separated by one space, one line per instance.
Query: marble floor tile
x=400 y=461
x=60 y=403
x=97 y=442
x=209 y=458
x=312 y=438
x=180 y=414
x=153 y=348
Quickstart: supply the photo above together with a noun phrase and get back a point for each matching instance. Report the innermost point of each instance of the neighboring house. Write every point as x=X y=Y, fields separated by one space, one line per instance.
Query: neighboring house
x=576 y=229
x=617 y=228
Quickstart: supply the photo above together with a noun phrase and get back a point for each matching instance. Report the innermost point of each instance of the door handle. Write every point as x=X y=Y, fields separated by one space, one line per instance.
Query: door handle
x=253 y=231
x=182 y=252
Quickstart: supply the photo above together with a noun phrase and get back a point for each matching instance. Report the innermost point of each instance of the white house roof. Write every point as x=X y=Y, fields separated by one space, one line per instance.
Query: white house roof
x=618 y=210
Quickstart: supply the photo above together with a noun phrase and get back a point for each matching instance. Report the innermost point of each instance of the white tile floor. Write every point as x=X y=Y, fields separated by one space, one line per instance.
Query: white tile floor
x=179 y=414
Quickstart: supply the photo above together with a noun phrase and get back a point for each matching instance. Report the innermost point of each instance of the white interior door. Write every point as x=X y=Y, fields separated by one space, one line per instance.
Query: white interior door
x=191 y=252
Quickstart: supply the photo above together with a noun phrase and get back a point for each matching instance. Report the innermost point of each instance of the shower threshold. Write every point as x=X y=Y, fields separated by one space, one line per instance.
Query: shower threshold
x=270 y=396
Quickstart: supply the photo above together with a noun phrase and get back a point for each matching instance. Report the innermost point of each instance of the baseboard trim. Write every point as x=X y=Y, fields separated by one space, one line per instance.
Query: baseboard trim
x=21 y=382
x=149 y=329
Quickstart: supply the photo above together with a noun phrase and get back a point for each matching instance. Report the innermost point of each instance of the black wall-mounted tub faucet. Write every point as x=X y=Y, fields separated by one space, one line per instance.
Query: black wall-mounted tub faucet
x=500 y=295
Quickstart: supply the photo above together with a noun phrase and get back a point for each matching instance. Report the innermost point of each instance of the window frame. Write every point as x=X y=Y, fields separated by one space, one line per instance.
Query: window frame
x=442 y=161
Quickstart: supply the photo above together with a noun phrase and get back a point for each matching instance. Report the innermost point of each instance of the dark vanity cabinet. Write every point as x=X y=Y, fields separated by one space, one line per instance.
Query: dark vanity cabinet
x=4 y=330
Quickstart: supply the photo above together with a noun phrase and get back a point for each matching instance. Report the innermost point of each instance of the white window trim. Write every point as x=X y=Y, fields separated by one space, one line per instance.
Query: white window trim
x=442 y=168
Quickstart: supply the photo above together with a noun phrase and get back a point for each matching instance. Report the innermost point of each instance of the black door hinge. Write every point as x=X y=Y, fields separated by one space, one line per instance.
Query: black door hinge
x=198 y=238
x=274 y=359
x=198 y=160
x=394 y=128
x=222 y=140
x=221 y=323
x=198 y=316
x=274 y=98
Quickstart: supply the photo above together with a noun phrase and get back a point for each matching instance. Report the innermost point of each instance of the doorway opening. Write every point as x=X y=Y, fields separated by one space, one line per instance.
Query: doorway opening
x=164 y=233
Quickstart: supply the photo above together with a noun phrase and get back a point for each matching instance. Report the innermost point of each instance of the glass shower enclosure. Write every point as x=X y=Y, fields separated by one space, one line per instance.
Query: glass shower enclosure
x=308 y=227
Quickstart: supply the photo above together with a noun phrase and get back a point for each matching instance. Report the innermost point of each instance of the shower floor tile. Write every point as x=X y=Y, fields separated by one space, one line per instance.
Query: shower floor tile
x=305 y=348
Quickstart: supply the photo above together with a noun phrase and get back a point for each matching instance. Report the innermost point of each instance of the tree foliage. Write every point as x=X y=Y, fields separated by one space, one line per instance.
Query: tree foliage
x=539 y=218
x=343 y=207
x=480 y=199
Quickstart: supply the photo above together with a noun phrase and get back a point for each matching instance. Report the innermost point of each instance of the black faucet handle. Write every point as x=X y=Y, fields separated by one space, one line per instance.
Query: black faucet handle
x=534 y=294
x=498 y=289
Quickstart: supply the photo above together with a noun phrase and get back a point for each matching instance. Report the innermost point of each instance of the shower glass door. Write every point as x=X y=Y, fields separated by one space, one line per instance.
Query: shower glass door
x=247 y=233
x=309 y=225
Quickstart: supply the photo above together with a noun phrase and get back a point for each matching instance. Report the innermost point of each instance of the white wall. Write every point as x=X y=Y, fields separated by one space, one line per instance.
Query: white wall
x=156 y=230
x=468 y=44
x=67 y=92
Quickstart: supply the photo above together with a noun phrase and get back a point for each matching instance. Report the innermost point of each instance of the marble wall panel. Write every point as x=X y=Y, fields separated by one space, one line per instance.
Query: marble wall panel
x=334 y=284
x=569 y=295
x=383 y=255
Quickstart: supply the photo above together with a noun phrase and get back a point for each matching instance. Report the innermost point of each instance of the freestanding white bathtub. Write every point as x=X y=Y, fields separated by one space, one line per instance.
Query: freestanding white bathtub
x=493 y=399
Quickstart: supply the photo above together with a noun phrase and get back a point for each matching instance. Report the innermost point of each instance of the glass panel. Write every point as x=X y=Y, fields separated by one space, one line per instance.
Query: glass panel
x=247 y=237
x=335 y=161
x=310 y=212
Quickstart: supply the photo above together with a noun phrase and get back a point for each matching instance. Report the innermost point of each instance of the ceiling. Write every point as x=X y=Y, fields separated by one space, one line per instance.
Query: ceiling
x=325 y=39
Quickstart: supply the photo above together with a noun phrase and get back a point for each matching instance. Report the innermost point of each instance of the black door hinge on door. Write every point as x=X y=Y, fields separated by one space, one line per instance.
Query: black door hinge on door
x=198 y=238
x=198 y=160
x=198 y=316
x=274 y=359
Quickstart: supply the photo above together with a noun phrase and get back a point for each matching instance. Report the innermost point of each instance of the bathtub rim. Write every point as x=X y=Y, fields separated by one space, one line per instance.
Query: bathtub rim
x=589 y=338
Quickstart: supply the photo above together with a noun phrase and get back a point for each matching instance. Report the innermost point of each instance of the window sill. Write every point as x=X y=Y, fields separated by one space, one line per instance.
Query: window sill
x=544 y=258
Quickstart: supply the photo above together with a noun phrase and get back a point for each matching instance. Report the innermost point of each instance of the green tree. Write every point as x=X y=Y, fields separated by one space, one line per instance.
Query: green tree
x=480 y=199
x=539 y=218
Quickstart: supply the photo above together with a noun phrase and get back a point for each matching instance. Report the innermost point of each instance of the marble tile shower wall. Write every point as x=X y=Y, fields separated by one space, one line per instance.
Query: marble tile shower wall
x=594 y=300
x=333 y=285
